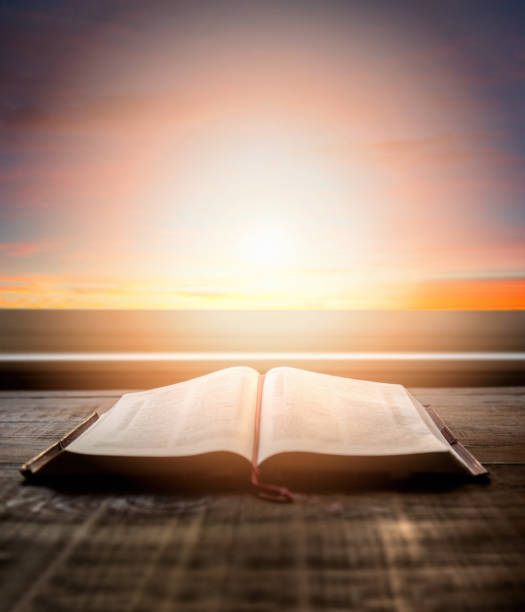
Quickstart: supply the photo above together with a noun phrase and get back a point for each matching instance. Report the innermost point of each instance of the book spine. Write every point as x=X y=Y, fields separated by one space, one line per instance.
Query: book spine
x=268 y=491
x=37 y=463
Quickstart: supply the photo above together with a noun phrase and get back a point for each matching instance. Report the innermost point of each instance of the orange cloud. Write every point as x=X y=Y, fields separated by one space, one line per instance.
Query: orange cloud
x=43 y=291
x=486 y=294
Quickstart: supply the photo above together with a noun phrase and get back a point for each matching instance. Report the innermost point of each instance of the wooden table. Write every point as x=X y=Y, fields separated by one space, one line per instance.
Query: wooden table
x=422 y=546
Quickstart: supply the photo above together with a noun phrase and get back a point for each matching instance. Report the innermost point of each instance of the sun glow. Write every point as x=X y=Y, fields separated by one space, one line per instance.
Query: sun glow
x=256 y=157
x=261 y=195
x=267 y=246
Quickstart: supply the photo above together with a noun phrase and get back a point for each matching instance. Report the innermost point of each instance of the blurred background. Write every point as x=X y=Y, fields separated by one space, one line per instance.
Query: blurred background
x=279 y=177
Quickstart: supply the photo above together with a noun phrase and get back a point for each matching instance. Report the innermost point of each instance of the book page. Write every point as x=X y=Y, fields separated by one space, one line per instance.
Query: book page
x=310 y=412
x=215 y=412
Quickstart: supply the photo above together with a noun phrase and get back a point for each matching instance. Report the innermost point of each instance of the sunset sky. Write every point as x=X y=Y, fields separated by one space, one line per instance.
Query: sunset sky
x=331 y=155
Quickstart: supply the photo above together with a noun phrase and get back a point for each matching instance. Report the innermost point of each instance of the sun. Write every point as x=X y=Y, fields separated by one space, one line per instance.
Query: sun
x=267 y=246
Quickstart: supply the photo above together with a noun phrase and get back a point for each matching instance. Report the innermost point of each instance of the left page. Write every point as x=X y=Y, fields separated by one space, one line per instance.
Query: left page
x=211 y=413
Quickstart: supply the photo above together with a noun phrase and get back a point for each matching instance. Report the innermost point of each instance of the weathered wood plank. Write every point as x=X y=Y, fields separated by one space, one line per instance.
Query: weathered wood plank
x=28 y=393
x=426 y=545
x=389 y=550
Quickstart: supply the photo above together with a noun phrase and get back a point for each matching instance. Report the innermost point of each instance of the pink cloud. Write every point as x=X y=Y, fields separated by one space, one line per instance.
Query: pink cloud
x=25 y=249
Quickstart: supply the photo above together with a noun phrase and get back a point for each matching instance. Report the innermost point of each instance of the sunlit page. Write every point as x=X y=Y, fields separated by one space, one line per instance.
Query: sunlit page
x=211 y=413
x=305 y=411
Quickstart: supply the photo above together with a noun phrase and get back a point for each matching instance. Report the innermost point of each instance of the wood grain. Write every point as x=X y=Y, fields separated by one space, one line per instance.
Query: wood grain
x=424 y=545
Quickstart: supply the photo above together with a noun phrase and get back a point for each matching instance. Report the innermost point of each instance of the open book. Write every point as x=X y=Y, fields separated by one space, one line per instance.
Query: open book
x=277 y=427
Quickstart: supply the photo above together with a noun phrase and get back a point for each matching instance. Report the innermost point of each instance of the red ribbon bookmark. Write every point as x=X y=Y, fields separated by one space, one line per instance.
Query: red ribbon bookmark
x=266 y=491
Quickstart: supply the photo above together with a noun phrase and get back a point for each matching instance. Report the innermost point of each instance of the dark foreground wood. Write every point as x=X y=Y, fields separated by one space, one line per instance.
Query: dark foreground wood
x=412 y=546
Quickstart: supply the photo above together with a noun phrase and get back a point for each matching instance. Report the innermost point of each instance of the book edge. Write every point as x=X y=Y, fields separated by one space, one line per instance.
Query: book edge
x=455 y=447
x=34 y=465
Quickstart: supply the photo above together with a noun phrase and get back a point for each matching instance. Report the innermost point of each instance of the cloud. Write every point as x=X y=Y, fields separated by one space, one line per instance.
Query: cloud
x=468 y=294
x=25 y=249
x=449 y=147
x=45 y=291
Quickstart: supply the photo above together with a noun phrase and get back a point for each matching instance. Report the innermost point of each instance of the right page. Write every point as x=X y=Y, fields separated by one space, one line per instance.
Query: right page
x=309 y=412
